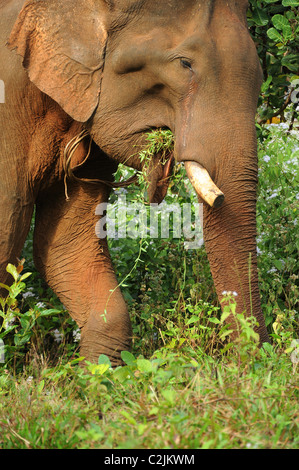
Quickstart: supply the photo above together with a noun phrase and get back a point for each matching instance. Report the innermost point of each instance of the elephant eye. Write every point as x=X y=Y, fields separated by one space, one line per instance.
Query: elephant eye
x=186 y=64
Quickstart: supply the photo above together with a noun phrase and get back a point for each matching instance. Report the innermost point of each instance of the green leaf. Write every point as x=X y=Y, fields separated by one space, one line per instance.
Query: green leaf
x=287 y=32
x=193 y=319
x=154 y=411
x=266 y=84
x=103 y=359
x=46 y=313
x=280 y=21
x=278 y=264
x=226 y=313
x=290 y=15
x=128 y=358
x=144 y=365
x=40 y=386
x=19 y=340
x=290 y=61
x=98 y=369
x=25 y=323
x=273 y=34
x=170 y=395
x=7 y=330
x=260 y=17
x=4 y=286
x=11 y=269
x=15 y=289
x=122 y=374
x=128 y=417
x=102 y=368
x=290 y=3
x=22 y=278
x=224 y=333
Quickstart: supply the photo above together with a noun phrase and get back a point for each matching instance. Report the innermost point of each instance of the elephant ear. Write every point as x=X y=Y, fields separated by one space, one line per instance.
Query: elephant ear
x=63 y=43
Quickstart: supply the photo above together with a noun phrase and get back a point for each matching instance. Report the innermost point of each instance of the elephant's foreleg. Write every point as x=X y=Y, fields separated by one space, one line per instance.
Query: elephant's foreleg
x=15 y=215
x=77 y=266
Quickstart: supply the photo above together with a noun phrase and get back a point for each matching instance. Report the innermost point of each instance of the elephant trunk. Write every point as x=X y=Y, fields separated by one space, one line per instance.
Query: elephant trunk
x=229 y=227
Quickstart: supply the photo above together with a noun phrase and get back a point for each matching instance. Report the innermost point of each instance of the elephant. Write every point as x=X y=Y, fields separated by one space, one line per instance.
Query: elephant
x=89 y=79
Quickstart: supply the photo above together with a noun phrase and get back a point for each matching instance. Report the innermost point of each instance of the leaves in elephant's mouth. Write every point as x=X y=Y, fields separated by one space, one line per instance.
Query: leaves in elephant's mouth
x=160 y=141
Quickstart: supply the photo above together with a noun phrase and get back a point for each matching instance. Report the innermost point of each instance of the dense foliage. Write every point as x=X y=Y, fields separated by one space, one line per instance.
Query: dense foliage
x=274 y=27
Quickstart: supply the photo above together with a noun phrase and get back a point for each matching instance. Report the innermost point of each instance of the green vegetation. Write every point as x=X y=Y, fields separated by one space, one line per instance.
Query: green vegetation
x=275 y=30
x=185 y=385
x=171 y=400
x=277 y=217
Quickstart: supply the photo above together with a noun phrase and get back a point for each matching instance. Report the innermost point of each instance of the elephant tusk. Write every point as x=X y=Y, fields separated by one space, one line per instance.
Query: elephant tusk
x=203 y=184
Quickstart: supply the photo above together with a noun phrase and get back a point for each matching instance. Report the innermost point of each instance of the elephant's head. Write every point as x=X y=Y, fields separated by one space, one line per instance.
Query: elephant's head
x=123 y=67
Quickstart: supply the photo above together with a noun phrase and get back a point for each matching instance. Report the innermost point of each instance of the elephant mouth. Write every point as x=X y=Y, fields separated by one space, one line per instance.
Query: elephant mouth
x=199 y=177
x=203 y=184
x=159 y=177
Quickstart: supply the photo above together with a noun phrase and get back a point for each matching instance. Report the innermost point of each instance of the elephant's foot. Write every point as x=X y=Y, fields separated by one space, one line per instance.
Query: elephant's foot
x=109 y=341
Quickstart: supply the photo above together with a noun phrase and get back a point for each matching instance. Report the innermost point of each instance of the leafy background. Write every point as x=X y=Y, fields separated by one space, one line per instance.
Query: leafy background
x=274 y=27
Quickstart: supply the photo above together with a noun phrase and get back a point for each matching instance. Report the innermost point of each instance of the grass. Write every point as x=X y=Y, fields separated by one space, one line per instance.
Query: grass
x=168 y=402
x=185 y=385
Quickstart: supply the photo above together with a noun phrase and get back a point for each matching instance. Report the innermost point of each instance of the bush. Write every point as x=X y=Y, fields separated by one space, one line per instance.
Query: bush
x=277 y=218
x=274 y=28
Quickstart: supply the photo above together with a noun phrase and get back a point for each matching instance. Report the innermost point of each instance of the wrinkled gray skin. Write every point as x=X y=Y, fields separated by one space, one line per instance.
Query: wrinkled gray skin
x=118 y=68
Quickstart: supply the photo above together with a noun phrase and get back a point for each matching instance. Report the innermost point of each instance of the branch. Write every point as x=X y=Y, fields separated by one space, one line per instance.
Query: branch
x=280 y=111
